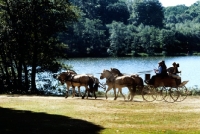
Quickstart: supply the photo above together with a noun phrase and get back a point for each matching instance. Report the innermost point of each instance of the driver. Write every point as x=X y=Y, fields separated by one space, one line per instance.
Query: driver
x=158 y=73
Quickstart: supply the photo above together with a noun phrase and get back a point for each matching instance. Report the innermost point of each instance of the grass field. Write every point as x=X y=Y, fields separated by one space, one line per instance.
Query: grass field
x=39 y=115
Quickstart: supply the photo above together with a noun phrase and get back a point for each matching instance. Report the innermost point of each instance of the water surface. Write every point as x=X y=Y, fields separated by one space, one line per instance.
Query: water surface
x=189 y=66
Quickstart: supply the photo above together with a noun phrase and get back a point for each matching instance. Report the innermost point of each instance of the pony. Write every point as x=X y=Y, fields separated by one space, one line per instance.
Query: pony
x=118 y=82
x=138 y=80
x=77 y=80
x=68 y=83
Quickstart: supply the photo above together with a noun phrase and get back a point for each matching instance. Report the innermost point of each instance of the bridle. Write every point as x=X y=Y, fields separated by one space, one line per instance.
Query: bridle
x=111 y=75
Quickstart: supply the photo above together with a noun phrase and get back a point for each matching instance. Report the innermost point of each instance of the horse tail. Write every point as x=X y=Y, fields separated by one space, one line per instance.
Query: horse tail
x=90 y=83
x=141 y=84
x=133 y=91
x=96 y=85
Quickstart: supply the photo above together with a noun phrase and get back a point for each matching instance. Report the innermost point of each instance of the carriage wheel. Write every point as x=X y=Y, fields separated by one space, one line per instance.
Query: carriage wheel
x=161 y=93
x=183 y=93
x=171 y=94
x=149 y=93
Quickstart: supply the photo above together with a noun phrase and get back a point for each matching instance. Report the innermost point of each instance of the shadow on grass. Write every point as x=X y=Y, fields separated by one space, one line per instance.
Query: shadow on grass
x=28 y=122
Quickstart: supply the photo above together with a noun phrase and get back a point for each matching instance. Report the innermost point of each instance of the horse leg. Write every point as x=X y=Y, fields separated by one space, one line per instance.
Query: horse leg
x=115 y=93
x=108 y=89
x=118 y=93
x=94 y=95
x=129 y=95
x=73 y=91
x=120 y=90
x=132 y=92
x=79 y=92
x=67 y=91
x=86 y=90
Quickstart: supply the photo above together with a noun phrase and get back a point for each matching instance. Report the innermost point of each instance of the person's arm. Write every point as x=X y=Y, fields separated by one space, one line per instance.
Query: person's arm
x=155 y=70
x=177 y=70
x=160 y=70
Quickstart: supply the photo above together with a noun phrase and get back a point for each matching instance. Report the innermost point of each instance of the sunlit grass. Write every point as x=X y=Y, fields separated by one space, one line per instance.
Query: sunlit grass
x=118 y=116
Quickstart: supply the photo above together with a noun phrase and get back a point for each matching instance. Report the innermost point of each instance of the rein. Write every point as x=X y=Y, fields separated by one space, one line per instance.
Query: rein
x=102 y=86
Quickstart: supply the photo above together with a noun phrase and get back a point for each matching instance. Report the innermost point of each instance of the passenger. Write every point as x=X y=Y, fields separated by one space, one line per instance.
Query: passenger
x=175 y=72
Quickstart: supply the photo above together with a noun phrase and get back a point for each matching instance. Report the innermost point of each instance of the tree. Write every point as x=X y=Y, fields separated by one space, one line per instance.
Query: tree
x=149 y=39
x=148 y=12
x=120 y=9
x=117 y=39
x=30 y=35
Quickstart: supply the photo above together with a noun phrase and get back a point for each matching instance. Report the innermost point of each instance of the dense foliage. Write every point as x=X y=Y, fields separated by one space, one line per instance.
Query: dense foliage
x=132 y=27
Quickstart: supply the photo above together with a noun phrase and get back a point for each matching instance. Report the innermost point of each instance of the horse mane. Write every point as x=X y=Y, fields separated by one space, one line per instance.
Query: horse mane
x=116 y=71
x=71 y=72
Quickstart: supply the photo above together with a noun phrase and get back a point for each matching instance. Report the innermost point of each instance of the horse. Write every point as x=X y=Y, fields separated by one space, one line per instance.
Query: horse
x=77 y=80
x=94 y=88
x=68 y=83
x=118 y=82
x=138 y=80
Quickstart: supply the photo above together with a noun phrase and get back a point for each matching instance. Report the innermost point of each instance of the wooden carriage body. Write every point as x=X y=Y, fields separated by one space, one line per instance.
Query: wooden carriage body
x=166 y=81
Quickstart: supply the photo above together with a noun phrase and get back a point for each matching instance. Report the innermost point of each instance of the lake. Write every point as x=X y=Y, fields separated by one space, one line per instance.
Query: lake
x=189 y=66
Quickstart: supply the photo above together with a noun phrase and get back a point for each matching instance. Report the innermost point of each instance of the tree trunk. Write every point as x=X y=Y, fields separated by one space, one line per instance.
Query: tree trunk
x=26 y=78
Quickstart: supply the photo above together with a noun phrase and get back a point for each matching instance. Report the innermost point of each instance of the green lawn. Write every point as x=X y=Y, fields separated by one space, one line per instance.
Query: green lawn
x=35 y=114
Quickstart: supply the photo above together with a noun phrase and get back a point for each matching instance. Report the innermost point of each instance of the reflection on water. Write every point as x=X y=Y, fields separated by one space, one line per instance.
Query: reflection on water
x=189 y=66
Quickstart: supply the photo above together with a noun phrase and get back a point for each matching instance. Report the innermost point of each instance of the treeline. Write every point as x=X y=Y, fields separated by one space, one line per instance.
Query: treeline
x=133 y=27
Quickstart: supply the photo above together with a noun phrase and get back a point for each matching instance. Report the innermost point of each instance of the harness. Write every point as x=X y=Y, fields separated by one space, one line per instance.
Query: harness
x=109 y=79
x=71 y=80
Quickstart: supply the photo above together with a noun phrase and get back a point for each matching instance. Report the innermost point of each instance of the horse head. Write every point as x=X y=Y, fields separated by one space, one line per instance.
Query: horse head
x=62 y=77
x=105 y=74
x=102 y=76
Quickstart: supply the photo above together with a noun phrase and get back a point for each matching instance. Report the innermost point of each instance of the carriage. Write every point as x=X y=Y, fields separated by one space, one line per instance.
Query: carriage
x=165 y=88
